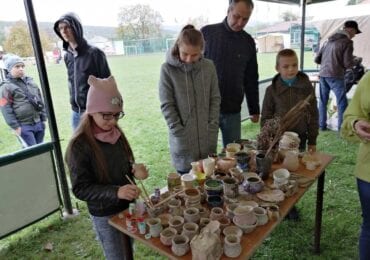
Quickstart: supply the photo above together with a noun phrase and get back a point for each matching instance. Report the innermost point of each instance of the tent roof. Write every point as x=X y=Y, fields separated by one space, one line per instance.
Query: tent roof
x=295 y=2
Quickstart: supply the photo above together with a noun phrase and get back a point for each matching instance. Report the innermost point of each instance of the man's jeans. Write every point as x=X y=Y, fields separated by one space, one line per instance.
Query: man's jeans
x=337 y=86
x=76 y=117
x=364 y=193
x=230 y=125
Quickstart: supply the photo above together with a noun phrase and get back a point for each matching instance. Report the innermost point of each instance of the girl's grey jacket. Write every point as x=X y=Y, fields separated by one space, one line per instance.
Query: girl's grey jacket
x=190 y=103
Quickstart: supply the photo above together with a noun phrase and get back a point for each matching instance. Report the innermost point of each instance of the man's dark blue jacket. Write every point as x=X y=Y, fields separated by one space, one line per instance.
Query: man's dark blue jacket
x=235 y=57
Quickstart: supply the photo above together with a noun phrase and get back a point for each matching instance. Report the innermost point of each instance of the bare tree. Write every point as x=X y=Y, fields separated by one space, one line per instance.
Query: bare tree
x=198 y=22
x=139 y=22
x=289 y=16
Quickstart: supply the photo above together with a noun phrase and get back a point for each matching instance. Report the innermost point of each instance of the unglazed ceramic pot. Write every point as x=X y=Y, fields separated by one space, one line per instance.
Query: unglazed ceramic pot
x=190 y=229
x=232 y=247
x=180 y=245
x=166 y=236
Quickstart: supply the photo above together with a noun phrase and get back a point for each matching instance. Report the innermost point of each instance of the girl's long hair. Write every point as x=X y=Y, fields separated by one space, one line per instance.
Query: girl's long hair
x=189 y=36
x=84 y=133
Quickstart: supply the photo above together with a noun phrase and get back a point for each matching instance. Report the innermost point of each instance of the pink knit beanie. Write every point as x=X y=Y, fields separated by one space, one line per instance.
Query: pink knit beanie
x=103 y=96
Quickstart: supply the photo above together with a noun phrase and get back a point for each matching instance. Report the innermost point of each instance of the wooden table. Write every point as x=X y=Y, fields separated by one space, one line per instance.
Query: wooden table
x=250 y=242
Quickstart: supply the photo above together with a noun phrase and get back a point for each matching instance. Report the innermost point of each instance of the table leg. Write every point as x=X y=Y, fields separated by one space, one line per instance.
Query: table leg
x=128 y=247
x=319 y=206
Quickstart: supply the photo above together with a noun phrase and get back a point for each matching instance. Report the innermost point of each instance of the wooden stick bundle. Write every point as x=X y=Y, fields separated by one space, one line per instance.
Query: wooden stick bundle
x=168 y=198
x=146 y=199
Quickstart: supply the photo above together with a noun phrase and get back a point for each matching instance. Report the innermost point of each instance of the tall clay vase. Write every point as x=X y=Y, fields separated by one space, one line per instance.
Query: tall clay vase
x=263 y=165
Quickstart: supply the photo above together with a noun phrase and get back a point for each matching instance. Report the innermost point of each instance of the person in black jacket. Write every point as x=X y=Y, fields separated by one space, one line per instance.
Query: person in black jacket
x=99 y=159
x=81 y=60
x=234 y=53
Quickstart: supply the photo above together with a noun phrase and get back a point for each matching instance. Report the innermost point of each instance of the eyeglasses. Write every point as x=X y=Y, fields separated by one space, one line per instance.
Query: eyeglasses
x=110 y=116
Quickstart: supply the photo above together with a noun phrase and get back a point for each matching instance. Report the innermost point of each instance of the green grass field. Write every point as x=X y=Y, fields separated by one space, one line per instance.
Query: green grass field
x=146 y=131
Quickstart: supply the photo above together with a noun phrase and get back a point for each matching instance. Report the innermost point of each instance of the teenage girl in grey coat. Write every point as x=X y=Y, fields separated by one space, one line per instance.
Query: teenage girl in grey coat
x=190 y=100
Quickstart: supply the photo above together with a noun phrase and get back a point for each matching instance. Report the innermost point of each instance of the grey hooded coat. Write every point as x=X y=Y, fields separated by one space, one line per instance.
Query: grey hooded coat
x=190 y=103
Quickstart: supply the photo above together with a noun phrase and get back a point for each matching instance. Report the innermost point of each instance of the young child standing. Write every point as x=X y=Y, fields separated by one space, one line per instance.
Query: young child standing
x=21 y=103
x=190 y=100
x=99 y=158
x=289 y=87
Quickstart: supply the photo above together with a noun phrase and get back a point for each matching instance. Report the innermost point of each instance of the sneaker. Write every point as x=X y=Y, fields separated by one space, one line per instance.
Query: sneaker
x=293 y=214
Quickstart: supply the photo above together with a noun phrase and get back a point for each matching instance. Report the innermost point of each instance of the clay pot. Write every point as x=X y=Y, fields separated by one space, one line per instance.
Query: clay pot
x=231 y=188
x=166 y=236
x=155 y=226
x=180 y=245
x=232 y=247
x=191 y=215
x=261 y=215
x=253 y=184
x=291 y=161
x=190 y=230
x=177 y=222
x=225 y=164
x=216 y=213
x=244 y=215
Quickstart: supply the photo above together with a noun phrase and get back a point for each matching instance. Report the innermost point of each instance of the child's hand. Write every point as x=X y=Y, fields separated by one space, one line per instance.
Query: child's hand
x=128 y=192
x=18 y=131
x=311 y=148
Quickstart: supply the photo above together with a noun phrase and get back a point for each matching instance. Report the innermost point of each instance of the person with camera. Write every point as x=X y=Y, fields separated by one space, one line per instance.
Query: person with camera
x=21 y=102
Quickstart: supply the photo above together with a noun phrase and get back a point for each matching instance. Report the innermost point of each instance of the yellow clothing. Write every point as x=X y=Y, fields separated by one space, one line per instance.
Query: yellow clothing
x=359 y=109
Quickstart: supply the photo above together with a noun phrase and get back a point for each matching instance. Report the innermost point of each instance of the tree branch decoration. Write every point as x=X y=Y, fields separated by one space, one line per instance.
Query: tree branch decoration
x=290 y=120
x=267 y=133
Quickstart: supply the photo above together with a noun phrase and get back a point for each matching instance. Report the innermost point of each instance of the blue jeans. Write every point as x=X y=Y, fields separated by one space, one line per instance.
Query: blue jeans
x=33 y=134
x=112 y=240
x=337 y=86
x=230 y=125
x=364 y=193
x=76 y=117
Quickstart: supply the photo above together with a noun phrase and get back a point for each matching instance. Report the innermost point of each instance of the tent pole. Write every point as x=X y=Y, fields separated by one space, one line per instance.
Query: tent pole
x=36 y=43
x=303 y=29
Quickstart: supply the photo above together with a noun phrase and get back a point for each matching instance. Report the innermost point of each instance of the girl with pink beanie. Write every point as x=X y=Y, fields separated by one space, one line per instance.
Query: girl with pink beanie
x=99 y=156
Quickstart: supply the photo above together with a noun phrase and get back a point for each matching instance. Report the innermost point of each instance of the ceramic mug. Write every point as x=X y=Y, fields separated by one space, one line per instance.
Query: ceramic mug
x=173 y=180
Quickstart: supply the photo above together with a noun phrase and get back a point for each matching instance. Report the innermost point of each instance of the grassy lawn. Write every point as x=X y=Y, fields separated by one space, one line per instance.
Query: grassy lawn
x=147 y=133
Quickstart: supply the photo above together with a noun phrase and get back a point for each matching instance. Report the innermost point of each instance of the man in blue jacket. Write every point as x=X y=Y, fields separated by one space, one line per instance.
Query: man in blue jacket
x=234 y=53
x=82 y=60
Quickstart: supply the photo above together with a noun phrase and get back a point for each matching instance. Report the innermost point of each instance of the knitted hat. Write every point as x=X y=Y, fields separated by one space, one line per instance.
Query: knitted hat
x=103 y=96
x=10 y=60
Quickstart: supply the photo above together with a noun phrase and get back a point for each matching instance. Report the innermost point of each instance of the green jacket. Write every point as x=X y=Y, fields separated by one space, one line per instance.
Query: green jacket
x=359 y=108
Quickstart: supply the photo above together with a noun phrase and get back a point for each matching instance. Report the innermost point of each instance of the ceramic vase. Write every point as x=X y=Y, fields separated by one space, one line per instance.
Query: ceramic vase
x=232 y=247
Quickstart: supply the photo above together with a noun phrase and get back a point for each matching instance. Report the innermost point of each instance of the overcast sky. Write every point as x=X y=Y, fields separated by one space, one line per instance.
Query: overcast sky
x=174 y=12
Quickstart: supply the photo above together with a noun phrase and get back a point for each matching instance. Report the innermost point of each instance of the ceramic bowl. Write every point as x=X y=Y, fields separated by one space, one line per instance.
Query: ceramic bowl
x=281 y=176
x=246 y=227
x=212 y=184
x=215 y=201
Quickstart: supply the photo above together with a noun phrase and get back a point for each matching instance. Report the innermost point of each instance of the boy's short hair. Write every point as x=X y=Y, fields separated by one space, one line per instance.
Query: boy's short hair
x=285 y=53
